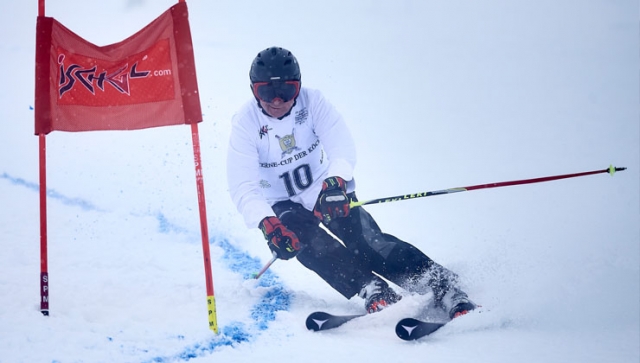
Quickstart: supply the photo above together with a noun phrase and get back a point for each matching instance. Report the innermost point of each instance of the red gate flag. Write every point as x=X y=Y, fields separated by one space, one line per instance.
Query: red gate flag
x=147 y=80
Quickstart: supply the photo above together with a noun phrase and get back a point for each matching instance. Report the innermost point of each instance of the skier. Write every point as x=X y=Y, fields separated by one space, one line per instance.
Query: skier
x=290 y=167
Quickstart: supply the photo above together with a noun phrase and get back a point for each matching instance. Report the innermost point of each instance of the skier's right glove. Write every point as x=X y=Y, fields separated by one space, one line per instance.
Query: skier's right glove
x=333 y=201
x=284 y=243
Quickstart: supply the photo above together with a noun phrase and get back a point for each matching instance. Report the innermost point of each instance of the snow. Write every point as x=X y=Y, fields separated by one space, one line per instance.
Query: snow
x=438 y=95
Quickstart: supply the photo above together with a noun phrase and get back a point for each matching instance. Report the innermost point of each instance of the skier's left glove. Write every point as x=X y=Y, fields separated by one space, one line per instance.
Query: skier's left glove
x=333 y=201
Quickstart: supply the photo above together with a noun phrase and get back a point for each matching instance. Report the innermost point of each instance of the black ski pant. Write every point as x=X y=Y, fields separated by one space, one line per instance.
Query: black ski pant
x=365 y=249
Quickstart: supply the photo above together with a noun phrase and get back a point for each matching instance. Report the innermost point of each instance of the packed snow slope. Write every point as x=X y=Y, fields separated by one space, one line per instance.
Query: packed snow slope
x=438 y=94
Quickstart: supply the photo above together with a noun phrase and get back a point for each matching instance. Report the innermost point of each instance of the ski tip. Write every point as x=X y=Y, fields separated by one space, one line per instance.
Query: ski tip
x=324 y=321
x=405 y=327
x=312 y=325
x=412 y=329
x=316 y=320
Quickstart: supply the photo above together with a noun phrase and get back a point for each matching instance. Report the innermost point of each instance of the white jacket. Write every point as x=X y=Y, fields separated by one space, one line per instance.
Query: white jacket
x=271 y=160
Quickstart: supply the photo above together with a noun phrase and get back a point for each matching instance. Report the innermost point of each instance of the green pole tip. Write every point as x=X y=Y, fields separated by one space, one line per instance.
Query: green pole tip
x=613 y=169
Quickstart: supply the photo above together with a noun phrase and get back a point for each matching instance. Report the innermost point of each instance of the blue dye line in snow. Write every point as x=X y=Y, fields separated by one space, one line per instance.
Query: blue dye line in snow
x=276 y=299
x=165 y=226
x=262 y=313
x=88 y=206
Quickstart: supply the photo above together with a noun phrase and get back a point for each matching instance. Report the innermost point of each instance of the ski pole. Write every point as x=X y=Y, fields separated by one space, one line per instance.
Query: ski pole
x=265 y=267
x=611 y=170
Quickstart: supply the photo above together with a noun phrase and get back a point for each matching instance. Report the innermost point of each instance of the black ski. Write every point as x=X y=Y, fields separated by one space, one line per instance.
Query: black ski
x=412 y=329
x=406 y=329
x=324 y=321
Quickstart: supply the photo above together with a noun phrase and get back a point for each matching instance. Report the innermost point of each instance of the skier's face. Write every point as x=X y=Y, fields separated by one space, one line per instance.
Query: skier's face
x=276 y=97
x=277 y=108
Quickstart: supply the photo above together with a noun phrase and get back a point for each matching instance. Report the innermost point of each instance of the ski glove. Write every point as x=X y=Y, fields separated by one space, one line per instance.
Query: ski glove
x=284 y=243
x=332 y=200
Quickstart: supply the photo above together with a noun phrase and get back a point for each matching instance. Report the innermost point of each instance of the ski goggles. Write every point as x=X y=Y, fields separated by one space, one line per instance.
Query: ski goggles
x=269 y=91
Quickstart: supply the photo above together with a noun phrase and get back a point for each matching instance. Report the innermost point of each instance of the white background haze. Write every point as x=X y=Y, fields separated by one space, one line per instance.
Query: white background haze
x=438 y=94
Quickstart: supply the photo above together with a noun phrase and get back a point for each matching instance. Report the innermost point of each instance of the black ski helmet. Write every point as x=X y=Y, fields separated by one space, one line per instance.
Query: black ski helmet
x=274 y=63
